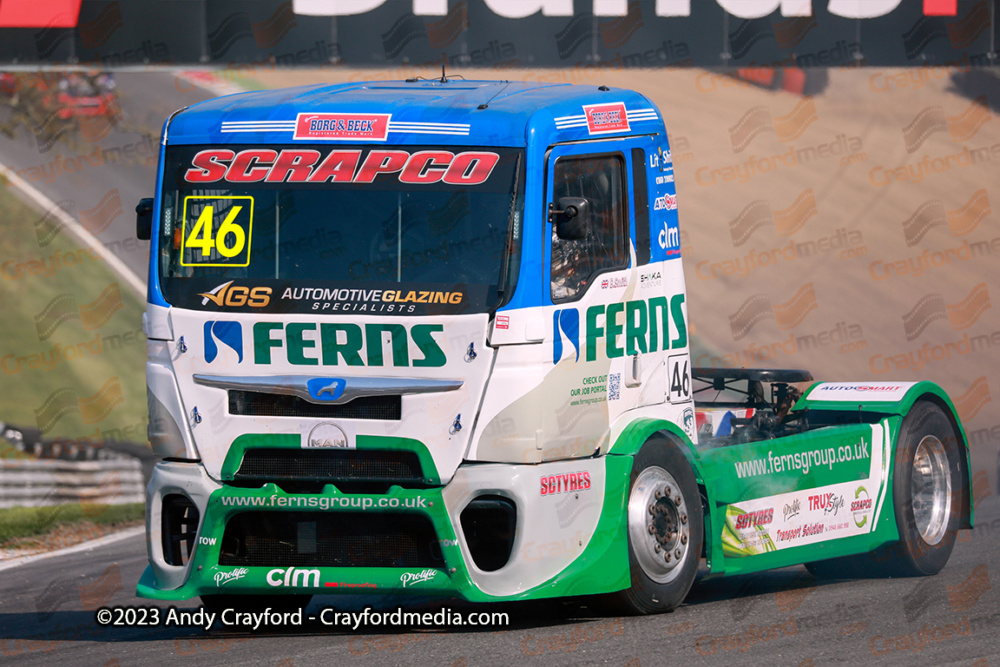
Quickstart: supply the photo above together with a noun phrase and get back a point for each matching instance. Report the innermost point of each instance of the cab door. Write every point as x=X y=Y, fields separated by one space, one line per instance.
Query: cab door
x=601 y=329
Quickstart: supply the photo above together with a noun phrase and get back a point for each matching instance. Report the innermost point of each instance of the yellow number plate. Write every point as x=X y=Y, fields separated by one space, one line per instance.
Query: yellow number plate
x=216 y=231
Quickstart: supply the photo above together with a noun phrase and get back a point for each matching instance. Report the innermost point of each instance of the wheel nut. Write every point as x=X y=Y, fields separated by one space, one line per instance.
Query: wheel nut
x=667 y=492
x=666 y=557
x=651 y=529
x=684 y=518
x=684 y=539
x=656 y=548
x=677 y=501
x=677 y=553
x=657 y=494
x=652 y=508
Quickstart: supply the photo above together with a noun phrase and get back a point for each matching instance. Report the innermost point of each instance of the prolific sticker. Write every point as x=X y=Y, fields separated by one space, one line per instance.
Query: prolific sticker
x=216 y=231
x=342 y=126
x=603 y=118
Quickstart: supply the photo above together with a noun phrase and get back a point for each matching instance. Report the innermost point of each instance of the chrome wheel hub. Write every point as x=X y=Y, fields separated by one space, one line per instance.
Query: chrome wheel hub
x=930 y=489
x=658 y=524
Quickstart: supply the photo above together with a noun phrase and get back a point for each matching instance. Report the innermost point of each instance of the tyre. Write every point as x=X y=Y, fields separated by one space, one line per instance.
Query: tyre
x=927 y=490
x=928 y=485
x=255 y=603
x=665 y=529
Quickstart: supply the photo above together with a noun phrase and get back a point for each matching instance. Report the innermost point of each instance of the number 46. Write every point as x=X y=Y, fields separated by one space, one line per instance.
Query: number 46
x=680 y=379
x=202 y=236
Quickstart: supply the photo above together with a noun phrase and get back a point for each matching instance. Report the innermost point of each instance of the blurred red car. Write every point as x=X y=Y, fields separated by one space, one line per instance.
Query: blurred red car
x=85 y=95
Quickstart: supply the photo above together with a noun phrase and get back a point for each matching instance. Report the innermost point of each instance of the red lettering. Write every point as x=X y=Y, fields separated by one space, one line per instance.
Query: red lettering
x=244 y=168
x=338 y=166
x=382 y=162
x=426 y=167
x=471 y=168
x=586 y=480
x=207 y=167
x=297 y=164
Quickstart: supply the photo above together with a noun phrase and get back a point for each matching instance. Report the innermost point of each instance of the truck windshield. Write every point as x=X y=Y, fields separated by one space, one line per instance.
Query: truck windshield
x=394 y=230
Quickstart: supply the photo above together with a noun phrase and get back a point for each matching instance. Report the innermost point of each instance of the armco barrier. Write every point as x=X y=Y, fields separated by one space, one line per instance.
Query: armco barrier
x=33 y=483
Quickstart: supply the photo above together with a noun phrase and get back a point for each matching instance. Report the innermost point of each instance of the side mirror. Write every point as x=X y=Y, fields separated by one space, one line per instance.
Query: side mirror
x=571 y=217
x=144 y=219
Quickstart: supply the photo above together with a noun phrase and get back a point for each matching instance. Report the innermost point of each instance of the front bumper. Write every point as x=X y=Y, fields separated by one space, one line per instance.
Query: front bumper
x=567 y=542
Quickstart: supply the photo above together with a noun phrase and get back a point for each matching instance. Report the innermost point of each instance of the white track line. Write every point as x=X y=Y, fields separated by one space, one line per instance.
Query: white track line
x=49 y=207
x=83 y=546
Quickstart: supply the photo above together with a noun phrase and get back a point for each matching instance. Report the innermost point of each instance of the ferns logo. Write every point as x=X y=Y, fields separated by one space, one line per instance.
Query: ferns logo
x=229 y=334
x=567 y=322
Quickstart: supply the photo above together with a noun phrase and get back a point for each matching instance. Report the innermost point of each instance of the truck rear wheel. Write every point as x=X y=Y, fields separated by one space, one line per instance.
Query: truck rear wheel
x=928 y=485
x=665 y=530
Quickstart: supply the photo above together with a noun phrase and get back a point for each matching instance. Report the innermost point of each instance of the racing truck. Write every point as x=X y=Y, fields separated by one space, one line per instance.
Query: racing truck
x=430 y=338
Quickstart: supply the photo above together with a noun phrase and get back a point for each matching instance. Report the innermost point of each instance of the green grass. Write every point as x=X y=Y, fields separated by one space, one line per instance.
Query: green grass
x=21 y=522
x=29 y=281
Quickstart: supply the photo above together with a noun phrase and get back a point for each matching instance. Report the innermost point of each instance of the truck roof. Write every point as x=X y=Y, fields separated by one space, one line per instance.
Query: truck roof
x=418 y=112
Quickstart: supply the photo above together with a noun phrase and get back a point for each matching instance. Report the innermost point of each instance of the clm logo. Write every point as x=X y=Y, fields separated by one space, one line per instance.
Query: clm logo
x=228 y=333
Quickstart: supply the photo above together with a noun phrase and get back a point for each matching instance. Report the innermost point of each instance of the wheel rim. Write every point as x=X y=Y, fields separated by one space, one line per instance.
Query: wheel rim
x=658 y=524
x=930 y=489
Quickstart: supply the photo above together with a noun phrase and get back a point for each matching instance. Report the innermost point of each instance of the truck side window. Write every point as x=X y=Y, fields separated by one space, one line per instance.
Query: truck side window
x=576 y=262
x=640 y=201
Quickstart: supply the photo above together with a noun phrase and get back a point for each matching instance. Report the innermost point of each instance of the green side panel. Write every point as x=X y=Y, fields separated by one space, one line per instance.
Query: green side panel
x=720 y=465
x=917 y=392
x=782 y=465
x=234 y=457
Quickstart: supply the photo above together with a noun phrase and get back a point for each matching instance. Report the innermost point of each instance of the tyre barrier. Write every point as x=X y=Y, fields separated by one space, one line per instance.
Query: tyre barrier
x=35 y=482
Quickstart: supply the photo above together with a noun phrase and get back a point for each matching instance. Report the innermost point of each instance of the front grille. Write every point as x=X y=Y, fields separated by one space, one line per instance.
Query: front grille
x=330 y=465
x=258 y=404
x=349 y=539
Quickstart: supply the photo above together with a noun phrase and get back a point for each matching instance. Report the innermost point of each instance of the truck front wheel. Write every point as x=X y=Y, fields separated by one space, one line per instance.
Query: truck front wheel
x=665 y=529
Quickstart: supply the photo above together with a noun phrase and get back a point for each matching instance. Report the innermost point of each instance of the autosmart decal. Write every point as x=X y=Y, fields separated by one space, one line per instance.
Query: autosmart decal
x=859 y=392
x=555 y=484
x=375 y=298
x=256 y=165
x=329 y=344
x=649 y=326
x=342 y=126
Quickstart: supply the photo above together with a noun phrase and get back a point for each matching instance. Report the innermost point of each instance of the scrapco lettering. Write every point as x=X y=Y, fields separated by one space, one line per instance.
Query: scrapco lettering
x=340 y=166
x=802 y=461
